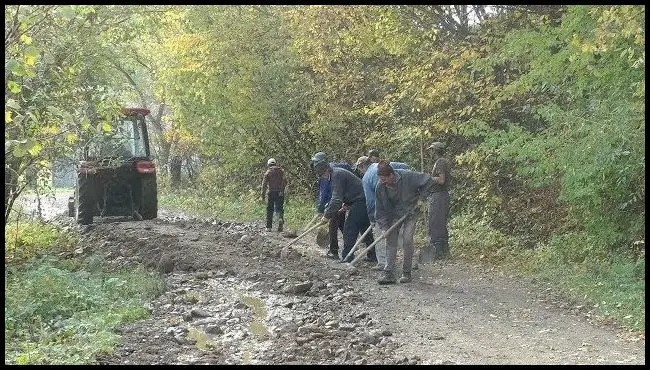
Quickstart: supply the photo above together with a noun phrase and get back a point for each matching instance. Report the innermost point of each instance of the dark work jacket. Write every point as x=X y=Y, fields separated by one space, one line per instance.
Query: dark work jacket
x=325 y=188
x=346 y=188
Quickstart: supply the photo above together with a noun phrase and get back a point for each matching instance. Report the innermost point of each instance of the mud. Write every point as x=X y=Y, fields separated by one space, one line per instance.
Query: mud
x=234 y=297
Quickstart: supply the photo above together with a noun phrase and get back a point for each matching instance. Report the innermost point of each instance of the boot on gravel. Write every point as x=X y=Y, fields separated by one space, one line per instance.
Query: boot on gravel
x=387 y=277
x=268 y=229
x=406 y=277
x=280 y=225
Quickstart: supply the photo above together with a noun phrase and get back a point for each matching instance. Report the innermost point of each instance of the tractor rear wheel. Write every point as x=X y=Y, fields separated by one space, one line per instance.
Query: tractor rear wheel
x=84 y=200
x=149 y=202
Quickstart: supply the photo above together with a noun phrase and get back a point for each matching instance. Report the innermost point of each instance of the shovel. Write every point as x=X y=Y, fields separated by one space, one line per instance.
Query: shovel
x=381 y=237
x=354 y=248
x=310 y=223
x=317 y=224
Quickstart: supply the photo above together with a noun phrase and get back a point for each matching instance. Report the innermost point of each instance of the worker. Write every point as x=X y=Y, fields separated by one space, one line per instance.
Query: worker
x=337 y=221
x=399 y=193
x=438 y=247
x=369 y=181
x=276 y=181
x=346 y=189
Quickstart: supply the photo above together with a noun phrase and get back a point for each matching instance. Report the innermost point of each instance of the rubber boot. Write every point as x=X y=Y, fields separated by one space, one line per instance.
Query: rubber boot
x=406 y=277
x=280 y=225
x=387 y=277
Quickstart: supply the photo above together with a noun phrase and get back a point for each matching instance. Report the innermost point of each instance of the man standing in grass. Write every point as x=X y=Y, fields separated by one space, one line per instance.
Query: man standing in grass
x=438 y=247
x=276 y=182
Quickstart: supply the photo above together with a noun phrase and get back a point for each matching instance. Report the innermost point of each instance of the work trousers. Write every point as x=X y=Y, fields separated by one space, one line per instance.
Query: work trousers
x=336 y=223
x=408 y=230
x=438 y=215
x=356 y=223
x=275 y=203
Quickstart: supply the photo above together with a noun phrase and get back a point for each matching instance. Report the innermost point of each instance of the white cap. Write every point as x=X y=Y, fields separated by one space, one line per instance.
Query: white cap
x=270 y=161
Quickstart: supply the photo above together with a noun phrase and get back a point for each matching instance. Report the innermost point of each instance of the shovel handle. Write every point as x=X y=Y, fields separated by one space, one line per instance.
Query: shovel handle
x=317 y=224
x=381 y=237
x=354 y=248
x=309 y=224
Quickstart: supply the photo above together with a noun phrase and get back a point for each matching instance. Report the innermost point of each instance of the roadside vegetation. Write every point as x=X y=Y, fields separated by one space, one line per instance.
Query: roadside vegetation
x=62 y=309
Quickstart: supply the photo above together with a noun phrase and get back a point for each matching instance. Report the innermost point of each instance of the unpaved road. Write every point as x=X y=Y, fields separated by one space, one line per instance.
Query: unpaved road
x=234 y=297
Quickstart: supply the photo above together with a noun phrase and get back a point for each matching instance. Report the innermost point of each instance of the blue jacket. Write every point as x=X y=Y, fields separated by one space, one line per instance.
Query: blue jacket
x=370 y=180
x=325 y=187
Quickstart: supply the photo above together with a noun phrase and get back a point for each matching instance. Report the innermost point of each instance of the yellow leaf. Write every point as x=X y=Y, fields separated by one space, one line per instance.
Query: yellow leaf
x=71 y=138
x=106 y=127
x=26 y=39
x=30 y=60
x=8 y=117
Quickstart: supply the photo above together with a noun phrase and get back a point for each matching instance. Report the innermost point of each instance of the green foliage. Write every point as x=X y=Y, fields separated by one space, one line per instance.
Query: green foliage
x=298 y=210
x=24 y=240
x=56 y=313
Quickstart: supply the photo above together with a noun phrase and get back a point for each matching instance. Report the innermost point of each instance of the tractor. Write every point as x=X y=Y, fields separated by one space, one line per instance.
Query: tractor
x=116 y=175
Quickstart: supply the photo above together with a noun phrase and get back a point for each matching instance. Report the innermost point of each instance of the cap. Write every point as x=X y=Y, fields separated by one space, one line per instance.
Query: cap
x=361 y=161
x=436 y=146
x=320 y=156
x=270 y=161
x=373 y=153
x=320 y=167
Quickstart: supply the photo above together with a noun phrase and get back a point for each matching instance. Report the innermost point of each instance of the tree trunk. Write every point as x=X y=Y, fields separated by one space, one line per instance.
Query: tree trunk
x=175 y=166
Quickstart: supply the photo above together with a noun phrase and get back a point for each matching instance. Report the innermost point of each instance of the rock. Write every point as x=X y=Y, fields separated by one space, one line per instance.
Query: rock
x=386 y=333
x=290 y=234
x=332 y=324
x=369 y=338
x=245 y=239
x=201 y=275
x=240 y=305
x=213 y=329
x=302 y=340
x=165 y=264
x=197 y=312
x=299 y=288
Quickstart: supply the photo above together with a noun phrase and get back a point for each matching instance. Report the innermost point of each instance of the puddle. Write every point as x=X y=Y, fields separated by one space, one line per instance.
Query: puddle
x=258 y=325
x=203 y=342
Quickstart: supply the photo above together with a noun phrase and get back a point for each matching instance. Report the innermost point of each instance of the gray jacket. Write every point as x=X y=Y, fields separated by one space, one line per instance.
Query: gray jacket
x=394 y=203
x=346 y=188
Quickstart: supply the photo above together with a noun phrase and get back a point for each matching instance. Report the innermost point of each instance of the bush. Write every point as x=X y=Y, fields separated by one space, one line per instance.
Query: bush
x=24 y=240
x=56 y=313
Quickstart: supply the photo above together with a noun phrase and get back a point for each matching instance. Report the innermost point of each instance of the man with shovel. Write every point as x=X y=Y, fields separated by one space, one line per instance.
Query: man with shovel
x=337 y=221
x=368 y=170
x=346 y=189
x=399 y=193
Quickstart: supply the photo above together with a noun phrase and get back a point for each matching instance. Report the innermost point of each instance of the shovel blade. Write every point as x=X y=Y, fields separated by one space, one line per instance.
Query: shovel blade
x=323 y=237
x=427 y=254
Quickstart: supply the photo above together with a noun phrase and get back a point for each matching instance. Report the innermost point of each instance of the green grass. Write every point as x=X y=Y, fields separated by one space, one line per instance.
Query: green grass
x=54 y=315
x=65 y=311
x=246 y=208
